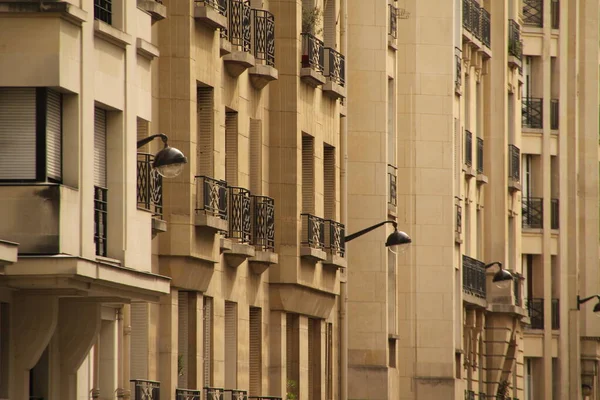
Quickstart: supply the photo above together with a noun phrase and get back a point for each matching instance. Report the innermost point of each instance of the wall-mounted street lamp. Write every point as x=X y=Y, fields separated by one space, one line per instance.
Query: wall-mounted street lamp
x=502 y=278
x=169 y=161
x=586 y=299
x=395 y=240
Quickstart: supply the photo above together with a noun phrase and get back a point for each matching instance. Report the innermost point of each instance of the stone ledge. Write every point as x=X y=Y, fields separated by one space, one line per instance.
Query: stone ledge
x=8 y=252
x=392 y=42
x=210 y=221
x=469 y=171
x=262 y=261
x=146 y=49
x=312 y=77
x=514 y=186
x=486 y=52
x=261 y=75
x=237 y=62
x=157 y=10
x=334 y=90
x=474 y=300
x=111 y=34
x=335 y=260
x=507 y=309
x=224 y=46
x=482 y=179
x=66 y=11
x=210 y=17
x=239 y=253
x=158 y=225
x=188 y=271
x=513 y=62
x=312 y=254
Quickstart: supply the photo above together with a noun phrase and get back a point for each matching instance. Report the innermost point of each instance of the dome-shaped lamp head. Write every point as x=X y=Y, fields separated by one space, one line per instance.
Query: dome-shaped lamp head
x=597 y=309
x=502 y=279
x=397 y=241
x=169 y=162
x=586 y=390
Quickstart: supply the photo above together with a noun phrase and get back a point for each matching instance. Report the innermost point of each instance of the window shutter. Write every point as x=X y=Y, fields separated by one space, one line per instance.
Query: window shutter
x=54 y=135
x=329 y=182
x=18 y=133
x=100 y=148
x=255 y=351
x=230 y=345
x=205 y=131
x=207 y=335
x=329 y=362
x=183 y=339
x=329 y=24
x=312 y=361
x=292 y=354
x=231 y=148
x=139 y=340
x=142 y=133
x=308 y=174
x=457 y=157
x=256 y=144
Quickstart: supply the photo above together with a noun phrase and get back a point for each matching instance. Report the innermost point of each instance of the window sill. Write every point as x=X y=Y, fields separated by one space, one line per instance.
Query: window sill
x=66 y=11
x=146 y=49
x=111 y=34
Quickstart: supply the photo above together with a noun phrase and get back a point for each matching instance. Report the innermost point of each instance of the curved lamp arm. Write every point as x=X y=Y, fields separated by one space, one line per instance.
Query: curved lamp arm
x=498 y=263
x=369 y=229
x=580 y=301
x=147 y=140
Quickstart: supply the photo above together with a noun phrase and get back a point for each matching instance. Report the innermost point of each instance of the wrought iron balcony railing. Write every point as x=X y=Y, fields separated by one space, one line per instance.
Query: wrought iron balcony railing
x=188 y=394
x=219 y=5
x=264 y=398
x=145 y=390
x=532 y=115
x=480 y=155
x=235 y=394
x=103 y=10
x=334 y=237
x=474 y=277
x=238 y=20
x=533 y=12
x=393 y=182
x=212 y=393
x=476 y=19
x=263 y=236
x=486 y=28
x=514 y=162
x=469 y=395
x=517 y=290
x=468 y=148
x=466 y=17
x=532 y=212
x=458 y=227
x=335 y=66
x=313 y=231
x=211 y=196
x=149 y=185
x=458 y=66
x=240 y=221
x=515 y=45
x=100 y=219
x=264 y=37
x=554 y=111
x=312 y=52
x=535 y=306
x=393 y=22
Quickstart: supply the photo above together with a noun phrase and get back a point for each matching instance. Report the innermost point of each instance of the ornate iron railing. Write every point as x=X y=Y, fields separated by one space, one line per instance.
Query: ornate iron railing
x=240 y=219
x=188 y=394
x=473 y=277
x=145 y=390
x=103 y=10
x=514 y=162
x=517 y=290
x=239 y=30
x=468 y=148
x=393 y=182
x=554 y=112
x=555 y=13
x=264 y=37
x=393 y=21
x=100 y=219
x=334 y=237
x=533 y=12
x=219 y=5
x=149 y=185
x=335 y=66
x=458 y=65
x=313 y=231
x=264 y=398
x=211 y=196
x=458 y=227
x=263 y=236
x=312 y=52
x=515 y=45
x=469 y=395
x=554 y=224
x=532 y=115
x=235 y=394
x=476 y=19
x=535 y=306
x=480 y=155
x=212 y=393
x=532 y=212
x=466 y=17
x=486 y=28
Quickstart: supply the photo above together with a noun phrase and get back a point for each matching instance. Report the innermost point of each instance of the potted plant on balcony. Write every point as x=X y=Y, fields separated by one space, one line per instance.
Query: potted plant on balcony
x=311 y=20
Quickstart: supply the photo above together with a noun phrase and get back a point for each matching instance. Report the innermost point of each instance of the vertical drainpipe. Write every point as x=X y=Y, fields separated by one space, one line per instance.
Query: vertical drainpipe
x=344 y=215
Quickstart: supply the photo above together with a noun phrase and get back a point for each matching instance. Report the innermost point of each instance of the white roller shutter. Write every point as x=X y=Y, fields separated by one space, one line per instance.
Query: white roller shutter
x=207 y=345
x=100 y=148
x=230 y=345
x=139 y=340
x=54 y=135
x=18 y=133
x=255 y=351
x=183 y=340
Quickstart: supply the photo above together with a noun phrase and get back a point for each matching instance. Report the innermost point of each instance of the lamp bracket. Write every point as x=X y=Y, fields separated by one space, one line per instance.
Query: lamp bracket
x=147 y=140
x=369 y=229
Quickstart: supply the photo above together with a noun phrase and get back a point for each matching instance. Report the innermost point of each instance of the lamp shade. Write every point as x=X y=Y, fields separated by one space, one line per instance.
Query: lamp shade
x=169 y=162
x=597 y=308
x=397 y=238
x=502 y=278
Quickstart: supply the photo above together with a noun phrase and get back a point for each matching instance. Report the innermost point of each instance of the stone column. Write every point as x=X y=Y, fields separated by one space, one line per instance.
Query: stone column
x=277 y=354
x=167 y=344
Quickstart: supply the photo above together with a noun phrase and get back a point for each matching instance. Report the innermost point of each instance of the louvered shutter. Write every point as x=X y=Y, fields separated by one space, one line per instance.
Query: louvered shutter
x=256 y=144
x=142 y=133
x=329 y=182
x=183 y=339
x=139 y=340
x=255 y=351
x=207 y=344
x=205 y=131
x=230 y=345
x=231 y=148
x=292 y=353
x=329 y=362
x=100 y=148
x=329 y=24
x=457 y=157
x=311 y=359
x=18 y=133
x=54 y=135
x=391 y=122
x=308 y=175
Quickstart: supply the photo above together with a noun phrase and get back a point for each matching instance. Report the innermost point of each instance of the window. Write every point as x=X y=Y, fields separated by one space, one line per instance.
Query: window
x=100 y=183
x=183 y=332
x=103 y=10
x=139 y=340
x=205 y=120
x=231 y=345
x=255 y=351
x=329 y=181
x=392 y=352
x=308 y=174
x=231 y=148
x=30 y=135
x=256 y=152
x=314 y=358
x=292 y=339
x=329 y=361
x=207 y=334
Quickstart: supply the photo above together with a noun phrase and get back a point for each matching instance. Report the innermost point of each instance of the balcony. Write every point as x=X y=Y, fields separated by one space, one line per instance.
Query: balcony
x=532 y=115
x=533 y=13
x=188 y=394
x=145 y=390
x=212 y=13
x=535 y=307
x=515 y=44
x=473 y=278
x=236 y=246
x=481 y=177
x=335 y=71
x=468 y=167
x=100 y=220
x=149 y=191
x=312 y=241
x=458 y=223
x=313 y=60
x=154 y=7
x=458 y=71
x=514 y=168
x=476 y=26
x=393 y=14
x=392 y=172
x=264 y=49
x=211 y=203
x=533 y=213
x=263 y=234
x=335 y=245
x=234 y=394
x=486 y=28
x=212 y=393
x=239 y=34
